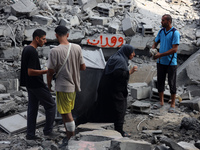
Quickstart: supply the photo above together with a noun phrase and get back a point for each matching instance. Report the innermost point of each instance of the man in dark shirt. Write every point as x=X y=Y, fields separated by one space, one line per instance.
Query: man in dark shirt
x=38 y=93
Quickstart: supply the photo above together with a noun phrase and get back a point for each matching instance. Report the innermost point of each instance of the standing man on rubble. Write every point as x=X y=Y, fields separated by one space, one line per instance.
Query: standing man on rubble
x=66 y=61
x=38 y=93
x=169 y=38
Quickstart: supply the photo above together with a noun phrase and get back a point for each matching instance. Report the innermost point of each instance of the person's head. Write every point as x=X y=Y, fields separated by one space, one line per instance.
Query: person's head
x=166 y=20
x=61 y=31
x=39 y=37
x=128 y=50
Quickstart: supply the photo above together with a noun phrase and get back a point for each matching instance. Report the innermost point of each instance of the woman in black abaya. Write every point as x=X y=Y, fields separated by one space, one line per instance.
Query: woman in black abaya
x=112 y=90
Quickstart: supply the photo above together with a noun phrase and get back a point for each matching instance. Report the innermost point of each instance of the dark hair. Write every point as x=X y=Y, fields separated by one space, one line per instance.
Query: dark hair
x=168 y=17
x=39 y=33
x=61 y=30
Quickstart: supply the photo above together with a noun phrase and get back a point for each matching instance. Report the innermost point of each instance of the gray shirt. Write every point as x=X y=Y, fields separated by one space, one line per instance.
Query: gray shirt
x=68 y=79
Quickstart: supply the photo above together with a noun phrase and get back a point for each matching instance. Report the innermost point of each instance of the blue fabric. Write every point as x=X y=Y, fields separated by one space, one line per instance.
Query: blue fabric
x=119 y=60
x=167 y=39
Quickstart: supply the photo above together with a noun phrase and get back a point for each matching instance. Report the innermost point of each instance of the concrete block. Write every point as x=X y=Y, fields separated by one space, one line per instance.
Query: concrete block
x=186 y=96
x=64 y=22
x=113 y=28
x=147 y=30
x=90 y=5
x=23 y=7
x=74 y=21
x=105 y=9
x=140 y=92
x=128 y=27
x=155 y=95
x=140 y=107
x=139 y=28
x=128 y=144
x=43 y=20
x=95 y=20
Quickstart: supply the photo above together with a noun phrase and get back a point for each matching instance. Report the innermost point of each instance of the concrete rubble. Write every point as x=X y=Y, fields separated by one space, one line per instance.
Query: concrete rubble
x=106 y=25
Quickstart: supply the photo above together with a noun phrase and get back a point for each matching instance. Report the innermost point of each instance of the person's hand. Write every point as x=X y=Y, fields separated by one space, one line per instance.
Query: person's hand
x=133 y=69
x=157 y=56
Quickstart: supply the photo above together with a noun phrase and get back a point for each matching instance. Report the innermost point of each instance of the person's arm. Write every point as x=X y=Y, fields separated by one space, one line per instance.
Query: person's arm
x=82 y=67
x=33 y=72
x=132 y=70
x=169 y=52
x=155 y=44
x=49 y=78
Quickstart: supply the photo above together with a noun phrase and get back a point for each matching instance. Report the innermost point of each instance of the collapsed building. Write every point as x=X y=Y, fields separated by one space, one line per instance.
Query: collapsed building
x=101 y=26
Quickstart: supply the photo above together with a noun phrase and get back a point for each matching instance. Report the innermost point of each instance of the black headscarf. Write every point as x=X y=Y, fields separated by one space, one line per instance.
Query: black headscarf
x=120 y=59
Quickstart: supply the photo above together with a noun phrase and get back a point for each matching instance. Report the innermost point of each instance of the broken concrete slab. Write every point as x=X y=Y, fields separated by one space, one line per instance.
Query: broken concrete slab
x=43 y=20
x=76 y=36
x=104 y=134
x=2 y=88
x=197 y=144
x=186 y=48
x=169 y=142
x=23 y=7
x=140 y=42
x=4 y=96
x=10 y=84
x=94 y=126
x=126 y=143
x=74 y=21
x=6 y=106
x=20 y=123
x=193 y=71
x=99 y=145
x=5 y=31
x=194 y=104
x=182 y=73
x=187 y=146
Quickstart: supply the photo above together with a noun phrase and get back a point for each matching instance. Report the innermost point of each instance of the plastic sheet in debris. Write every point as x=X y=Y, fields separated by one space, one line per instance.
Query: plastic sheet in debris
x=94 y=58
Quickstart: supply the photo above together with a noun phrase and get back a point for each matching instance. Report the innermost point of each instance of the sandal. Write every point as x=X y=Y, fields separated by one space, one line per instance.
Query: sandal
x=157 y=106
x=171 y=110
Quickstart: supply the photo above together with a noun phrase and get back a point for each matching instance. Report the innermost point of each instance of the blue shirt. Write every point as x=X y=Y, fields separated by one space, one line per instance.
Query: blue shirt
x=167 y=39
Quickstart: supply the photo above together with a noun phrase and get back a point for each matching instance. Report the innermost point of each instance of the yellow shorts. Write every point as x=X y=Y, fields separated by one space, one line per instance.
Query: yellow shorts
x=65 y=102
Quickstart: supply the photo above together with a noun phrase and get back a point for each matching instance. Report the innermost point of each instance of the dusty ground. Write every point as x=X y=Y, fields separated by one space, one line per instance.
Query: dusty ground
x=160 y=119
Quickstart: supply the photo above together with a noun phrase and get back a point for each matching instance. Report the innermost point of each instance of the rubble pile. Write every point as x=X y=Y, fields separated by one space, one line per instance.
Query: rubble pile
x=106 y=25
